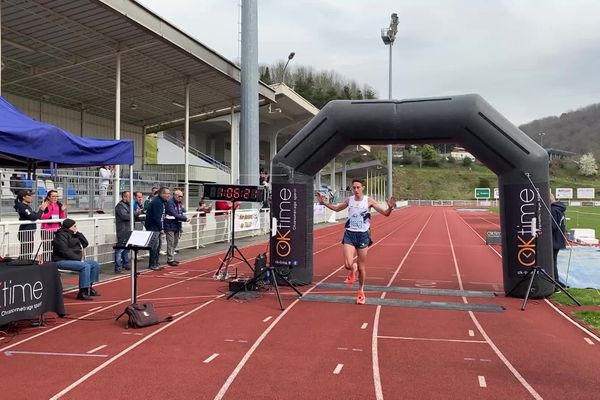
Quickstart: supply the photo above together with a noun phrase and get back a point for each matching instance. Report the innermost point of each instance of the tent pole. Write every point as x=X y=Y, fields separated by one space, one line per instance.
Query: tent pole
x=131 y=225
x=116 y=180
x=187 y=147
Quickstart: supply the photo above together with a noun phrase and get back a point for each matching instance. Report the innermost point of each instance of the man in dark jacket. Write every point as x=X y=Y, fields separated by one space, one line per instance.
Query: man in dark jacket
x=557 y=212
x=174 y=215
x=67 y=253
x=154 y=222
x=122 y=222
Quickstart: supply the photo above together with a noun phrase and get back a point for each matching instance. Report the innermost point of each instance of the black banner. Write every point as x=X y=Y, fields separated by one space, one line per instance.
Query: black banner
x=522 y=228
x=29 y=291
x=288 y=241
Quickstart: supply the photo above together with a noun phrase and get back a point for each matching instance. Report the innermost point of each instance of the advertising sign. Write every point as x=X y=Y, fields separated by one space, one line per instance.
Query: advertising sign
x=482 y=193
x=586 y=193
x=564 y=193
x=246 y=220
x=288 y=209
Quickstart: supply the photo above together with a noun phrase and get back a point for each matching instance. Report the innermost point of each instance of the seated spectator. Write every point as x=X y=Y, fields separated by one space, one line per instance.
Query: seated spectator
x=67 y=253
x=16 y=183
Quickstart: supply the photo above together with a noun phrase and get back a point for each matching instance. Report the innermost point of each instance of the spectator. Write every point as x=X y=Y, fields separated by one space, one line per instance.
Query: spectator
x=138 y=210
x=53 y=211
x=68 y=245
x=154 y=222
x=222 y=210
x=174 y=216
x=204 y=208
x=26 y=231
x=106 y=175
x=557 y=212
x=152 y=195
x=122 y=222
x=16 y=183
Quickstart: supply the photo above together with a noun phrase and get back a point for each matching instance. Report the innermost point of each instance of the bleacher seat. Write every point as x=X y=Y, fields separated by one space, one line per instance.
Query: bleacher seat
x=50 y=185
x=71 y=193
x=42 y=192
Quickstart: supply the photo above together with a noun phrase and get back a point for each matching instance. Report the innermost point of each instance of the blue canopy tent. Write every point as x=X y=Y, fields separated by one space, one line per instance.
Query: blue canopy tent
x=25 y=142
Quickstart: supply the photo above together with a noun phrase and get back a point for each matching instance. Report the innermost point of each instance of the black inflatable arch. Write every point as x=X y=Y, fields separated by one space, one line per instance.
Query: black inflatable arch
x=520 y=163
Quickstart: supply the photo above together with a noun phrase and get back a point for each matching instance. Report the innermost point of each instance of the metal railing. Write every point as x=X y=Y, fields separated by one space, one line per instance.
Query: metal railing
x=204 y=157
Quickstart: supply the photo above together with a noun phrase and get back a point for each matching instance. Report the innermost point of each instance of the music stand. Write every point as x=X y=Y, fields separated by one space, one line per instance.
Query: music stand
x=532 y=274
x=231 y=251
x=138 y=240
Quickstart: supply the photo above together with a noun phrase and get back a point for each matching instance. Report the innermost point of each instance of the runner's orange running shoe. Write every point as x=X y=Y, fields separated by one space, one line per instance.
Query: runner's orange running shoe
x=350 y=278
x=360 y=298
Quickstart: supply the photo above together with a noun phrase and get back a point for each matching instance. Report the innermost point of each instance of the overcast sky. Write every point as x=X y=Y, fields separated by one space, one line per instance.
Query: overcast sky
x=528 y=58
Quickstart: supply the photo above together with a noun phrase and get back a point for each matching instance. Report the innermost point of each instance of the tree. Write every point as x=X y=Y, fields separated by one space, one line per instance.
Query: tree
x=467 y=162
x=587 y=165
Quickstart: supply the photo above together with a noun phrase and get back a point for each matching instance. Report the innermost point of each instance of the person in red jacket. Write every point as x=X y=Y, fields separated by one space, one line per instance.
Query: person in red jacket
x=222 y=210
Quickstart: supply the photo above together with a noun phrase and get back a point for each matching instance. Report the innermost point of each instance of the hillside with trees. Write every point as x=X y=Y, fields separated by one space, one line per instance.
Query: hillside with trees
x=576 y=131
x=318 y=87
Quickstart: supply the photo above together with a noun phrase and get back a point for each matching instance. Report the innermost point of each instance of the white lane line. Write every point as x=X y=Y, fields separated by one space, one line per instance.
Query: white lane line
x=125 y=351
x=268 y=318
x=342 y=348
x=9 y=353
x=364 y=326
x=356 y=349
x=471 y=333
x=484 y=360
x=242 y=341
x=178 y=314
x=432 y=339
x=209 y=359
x=338 y=369
x=132 y=333
x=469 y=359
x=96 y=349
x=483 y=333
x=95 y=308
x=588 y=340
x=481 y=379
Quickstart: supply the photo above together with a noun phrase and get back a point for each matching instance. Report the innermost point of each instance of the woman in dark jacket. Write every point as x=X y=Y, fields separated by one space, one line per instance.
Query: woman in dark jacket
x=26 y=231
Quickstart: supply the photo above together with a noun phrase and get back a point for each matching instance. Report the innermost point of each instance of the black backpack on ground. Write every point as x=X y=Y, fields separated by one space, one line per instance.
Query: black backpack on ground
x=142 y=315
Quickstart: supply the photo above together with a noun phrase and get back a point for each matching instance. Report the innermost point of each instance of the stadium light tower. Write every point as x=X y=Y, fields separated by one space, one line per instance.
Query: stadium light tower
x=292 y=54
x=388 y=35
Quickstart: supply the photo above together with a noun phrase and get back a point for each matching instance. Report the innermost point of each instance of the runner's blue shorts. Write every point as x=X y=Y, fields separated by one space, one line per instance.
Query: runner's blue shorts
x=360 y=240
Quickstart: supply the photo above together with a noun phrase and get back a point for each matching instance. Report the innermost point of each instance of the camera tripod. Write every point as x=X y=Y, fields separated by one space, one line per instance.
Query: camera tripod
x=272 y=275
x=221 y=272
x=531 y=275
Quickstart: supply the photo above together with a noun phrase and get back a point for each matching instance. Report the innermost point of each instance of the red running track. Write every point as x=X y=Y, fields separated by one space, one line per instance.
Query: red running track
x=217 y=348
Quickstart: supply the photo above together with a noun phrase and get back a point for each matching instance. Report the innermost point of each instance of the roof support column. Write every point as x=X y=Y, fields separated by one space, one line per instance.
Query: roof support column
x=332 y=179
x=116 y=180
x=186 y=148
x=249 y=138
x=344 y=184
x=235 y=147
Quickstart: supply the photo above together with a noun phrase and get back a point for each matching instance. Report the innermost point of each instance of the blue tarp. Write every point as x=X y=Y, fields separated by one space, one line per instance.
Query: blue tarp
x=27 y=142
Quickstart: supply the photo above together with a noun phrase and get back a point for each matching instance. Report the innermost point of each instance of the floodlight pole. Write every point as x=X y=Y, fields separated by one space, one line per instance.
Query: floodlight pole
x=292 y=54
x=388 y=36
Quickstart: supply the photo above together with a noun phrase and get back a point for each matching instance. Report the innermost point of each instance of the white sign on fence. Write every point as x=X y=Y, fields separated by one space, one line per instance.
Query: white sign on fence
x=246 y=220
x=586 y=193
x=496 y=193
x=564 y=193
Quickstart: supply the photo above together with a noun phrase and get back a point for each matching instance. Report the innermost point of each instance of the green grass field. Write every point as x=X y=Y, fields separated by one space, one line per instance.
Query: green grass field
x=583 y=217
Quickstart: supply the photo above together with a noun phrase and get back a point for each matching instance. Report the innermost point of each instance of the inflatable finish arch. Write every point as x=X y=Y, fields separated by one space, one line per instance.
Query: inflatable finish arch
x=520 y=163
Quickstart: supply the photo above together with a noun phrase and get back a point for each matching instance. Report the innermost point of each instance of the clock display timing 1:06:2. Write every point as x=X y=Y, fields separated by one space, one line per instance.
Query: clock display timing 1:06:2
x=233 y=193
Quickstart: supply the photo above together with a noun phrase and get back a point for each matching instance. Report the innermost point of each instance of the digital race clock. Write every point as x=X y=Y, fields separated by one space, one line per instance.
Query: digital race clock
x=234 y=193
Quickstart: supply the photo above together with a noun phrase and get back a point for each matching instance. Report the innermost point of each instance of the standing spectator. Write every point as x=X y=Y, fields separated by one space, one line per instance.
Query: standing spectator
x=122 y=222
x=222 y=211
x=68 y=245
x=174 y=216
x=26 y=231
x=16 y=183
x=53 y=211
x=204 y=208
x=106 y=175
x=138 y=210
x=154 y=222
x=152 y=195
x=559 y=242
